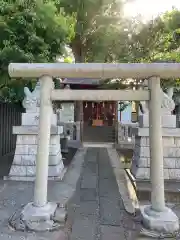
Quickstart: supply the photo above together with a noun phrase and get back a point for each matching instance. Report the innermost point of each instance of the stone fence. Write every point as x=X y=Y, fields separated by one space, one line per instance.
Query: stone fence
x=71 y=129
x=126 y=134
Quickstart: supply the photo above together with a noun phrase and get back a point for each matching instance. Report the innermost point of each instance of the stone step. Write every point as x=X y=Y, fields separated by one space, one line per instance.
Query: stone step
x=99 y=133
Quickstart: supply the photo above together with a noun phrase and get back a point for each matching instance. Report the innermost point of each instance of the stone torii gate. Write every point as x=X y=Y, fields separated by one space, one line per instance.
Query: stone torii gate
x=155 y=216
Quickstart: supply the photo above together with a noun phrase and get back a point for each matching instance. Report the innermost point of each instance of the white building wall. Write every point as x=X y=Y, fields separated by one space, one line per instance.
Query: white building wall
x=67 y=112
x=125 y=115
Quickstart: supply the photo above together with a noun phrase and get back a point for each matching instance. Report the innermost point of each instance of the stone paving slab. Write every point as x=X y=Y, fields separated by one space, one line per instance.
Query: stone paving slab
x=84 y=228
x=112 y=233
x=97 y=211
x=110 y=212
x=83 y=211
x=88 y=194
x=89 y=181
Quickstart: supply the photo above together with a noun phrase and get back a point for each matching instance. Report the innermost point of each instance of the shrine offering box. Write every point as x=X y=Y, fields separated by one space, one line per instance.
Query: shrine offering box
x=97 y=122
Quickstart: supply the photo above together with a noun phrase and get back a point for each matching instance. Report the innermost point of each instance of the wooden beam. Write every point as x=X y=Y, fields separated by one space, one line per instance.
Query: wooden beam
x=95 y=70
x=100 y=95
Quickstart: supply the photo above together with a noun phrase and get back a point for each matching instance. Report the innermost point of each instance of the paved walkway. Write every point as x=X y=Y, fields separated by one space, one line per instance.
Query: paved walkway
x=96 y=211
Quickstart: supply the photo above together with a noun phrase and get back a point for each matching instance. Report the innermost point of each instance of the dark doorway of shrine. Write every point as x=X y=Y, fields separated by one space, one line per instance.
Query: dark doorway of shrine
x=99 y=121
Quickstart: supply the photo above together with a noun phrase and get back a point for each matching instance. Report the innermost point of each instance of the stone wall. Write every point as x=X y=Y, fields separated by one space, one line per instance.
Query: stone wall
x=24 y=163
x=171 y=149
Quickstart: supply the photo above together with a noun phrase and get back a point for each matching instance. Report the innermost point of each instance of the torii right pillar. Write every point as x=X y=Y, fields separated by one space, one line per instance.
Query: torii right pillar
x=157 y=216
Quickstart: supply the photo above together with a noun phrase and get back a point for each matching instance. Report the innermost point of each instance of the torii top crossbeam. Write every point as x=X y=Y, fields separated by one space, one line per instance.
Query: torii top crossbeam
x=95 y=70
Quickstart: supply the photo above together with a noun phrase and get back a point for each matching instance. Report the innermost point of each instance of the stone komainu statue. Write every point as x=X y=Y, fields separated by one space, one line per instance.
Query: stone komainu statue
x=31 y=100
x=167 y=103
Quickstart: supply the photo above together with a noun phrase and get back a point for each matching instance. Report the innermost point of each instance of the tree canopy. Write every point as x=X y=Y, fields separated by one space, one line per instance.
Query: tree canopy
x=155 y=41
x=95 y=30
x=96 y=26
x=31 y=31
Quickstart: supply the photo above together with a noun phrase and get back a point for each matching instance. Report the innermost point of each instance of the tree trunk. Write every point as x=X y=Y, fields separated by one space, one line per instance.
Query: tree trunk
x=78 y=114
x=77 y=49
x=78 y=111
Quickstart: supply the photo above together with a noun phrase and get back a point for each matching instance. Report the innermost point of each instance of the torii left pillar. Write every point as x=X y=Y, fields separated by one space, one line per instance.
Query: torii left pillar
x=41 y=215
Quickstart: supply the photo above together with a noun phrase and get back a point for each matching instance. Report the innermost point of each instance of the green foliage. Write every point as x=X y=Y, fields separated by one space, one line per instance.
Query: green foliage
x=97 y=25
x=13 y=90
x=31 y=31
x=37 y=31
x=123 y=106
x=155 y=41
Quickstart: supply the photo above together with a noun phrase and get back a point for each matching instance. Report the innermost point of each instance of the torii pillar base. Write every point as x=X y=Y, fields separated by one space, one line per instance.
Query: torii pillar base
x=39 y=219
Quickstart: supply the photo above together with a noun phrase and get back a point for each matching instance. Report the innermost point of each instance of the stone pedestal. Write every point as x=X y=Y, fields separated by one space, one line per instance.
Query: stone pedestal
x=171 y=150
x=163 y=224
x=24 y=163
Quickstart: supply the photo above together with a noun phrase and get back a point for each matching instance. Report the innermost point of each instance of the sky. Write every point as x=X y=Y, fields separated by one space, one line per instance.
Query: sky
x=149 y=8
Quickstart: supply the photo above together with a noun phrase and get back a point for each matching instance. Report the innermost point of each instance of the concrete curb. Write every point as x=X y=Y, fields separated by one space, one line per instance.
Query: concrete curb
x=125 y=186
x=72 y=175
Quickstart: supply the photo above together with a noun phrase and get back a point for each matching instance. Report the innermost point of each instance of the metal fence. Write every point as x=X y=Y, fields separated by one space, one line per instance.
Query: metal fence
x=10 y=115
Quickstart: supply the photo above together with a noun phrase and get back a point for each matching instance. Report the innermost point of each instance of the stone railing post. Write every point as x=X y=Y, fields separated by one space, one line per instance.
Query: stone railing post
x=120 y=132
x=78 y=131
x=177 y=102
x=126 y=132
